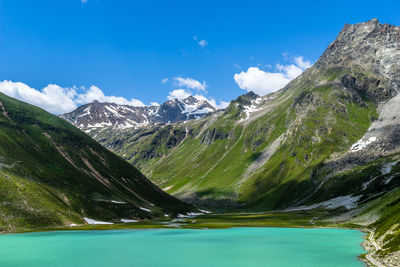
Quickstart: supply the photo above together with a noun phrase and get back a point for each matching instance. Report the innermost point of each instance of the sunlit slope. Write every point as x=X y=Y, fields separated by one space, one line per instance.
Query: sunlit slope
x=270 y=152
x=219 y=157
x=52 y=174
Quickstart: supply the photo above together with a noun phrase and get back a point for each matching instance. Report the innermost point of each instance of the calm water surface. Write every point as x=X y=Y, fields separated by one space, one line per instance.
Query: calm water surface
x=185 y=247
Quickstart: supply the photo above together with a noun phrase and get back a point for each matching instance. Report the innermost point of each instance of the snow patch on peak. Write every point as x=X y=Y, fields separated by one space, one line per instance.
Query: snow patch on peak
x=253 y=107
x=86 y=112
x=101 y=116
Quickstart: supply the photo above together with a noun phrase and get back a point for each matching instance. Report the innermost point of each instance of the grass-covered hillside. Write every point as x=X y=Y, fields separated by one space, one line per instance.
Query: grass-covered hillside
x=53 y=174
x=327 y=142
x=263 y=159
x=278 y=150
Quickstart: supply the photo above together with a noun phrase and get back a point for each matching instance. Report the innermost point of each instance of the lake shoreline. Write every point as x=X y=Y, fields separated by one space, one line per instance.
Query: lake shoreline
x=304 y=231
x=206 y=222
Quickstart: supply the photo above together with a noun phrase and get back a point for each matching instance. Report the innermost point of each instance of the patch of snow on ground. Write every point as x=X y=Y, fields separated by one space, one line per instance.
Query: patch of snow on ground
x=128 y=221
x=362 y=143
x=194 y=110
x=112 y=201
x=131 y=124
x=387 y=168
x=144 y=209
x=349 y=202
x=195 y=213
x=205 y=211
x=91 y=221
x=387 y=180
x=367 y=183
x=99 y=125
x=118 y=202
x=250 y=109
x=190 y=214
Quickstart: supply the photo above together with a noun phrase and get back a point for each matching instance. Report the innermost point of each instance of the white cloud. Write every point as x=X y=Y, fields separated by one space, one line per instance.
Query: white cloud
x=262 y=82
x=84 y=1
x=164 y=81
x=95 y=93
x=222 y=104
x=202 y=42
x=191 y=83
x=304 y=64
x=56 y=99
x=52 y=98
x=178 y=93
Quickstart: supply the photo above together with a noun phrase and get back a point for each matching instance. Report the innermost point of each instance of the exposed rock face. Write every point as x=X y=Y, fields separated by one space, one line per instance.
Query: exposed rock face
x=247 y=98
x=370 y=51
x=381 y=139
x=370 y=46
x=97 y=115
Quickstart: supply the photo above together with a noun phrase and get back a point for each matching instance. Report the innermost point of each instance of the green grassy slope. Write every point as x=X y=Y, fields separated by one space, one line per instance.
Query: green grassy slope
x=294 y=149
x=52 y=174
x=206 y=161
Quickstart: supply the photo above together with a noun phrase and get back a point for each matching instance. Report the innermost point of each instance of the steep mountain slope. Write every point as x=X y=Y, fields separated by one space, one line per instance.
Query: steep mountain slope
x=53 y=174
x=269 y=152
x=329 y=140
x=95 y=116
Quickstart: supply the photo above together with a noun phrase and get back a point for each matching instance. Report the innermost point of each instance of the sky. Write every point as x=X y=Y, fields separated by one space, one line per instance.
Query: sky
x=59 y=54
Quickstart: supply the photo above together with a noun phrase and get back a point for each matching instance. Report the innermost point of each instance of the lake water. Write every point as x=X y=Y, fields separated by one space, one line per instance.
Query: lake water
x=184 y=247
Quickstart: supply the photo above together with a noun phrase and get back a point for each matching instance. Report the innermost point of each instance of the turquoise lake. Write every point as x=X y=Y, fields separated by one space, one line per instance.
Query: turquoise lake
x=185 y=247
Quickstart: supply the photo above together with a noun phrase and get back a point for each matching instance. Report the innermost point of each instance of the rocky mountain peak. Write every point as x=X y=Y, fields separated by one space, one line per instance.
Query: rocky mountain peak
x=191 y=99
x=98 y=116
x=369 y=45
x=247 y=99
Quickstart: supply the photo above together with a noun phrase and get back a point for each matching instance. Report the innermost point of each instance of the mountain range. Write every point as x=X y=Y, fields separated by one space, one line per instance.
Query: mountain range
x=327 y=143
x=97 y=116
x=329 y=140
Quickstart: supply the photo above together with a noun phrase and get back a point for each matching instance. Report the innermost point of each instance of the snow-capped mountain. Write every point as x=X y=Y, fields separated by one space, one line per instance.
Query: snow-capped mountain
x=95 y=115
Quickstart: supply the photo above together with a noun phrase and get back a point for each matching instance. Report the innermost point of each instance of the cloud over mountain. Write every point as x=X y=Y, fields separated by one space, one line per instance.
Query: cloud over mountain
x=263 y=82
x=191 y=83
x=57 y=99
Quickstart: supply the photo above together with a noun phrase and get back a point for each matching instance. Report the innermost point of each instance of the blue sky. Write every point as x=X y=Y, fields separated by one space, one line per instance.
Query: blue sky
x=127 y=48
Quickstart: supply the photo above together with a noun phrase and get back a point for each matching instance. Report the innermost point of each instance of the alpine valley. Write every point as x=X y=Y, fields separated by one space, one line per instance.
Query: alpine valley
x=327 y=143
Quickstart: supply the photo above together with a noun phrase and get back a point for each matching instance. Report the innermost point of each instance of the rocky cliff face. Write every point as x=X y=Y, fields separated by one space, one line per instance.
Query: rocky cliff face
x=99 y=116
x=370 y=53
x=370 y=46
